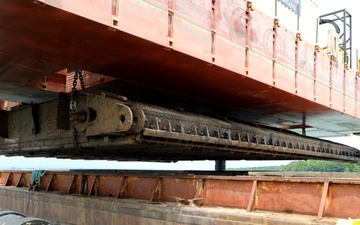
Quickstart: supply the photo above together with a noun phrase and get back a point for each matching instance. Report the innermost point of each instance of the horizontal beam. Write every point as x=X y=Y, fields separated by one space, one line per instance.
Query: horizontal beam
x=107 y=126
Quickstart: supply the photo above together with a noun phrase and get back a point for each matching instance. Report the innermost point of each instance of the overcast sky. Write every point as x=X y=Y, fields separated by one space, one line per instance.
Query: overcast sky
x=41 y=163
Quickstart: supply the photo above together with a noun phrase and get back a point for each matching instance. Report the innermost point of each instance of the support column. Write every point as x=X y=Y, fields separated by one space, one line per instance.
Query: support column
x=220 y=165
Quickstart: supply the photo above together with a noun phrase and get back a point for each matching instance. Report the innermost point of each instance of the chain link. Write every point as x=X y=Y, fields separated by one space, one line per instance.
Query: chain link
x=73 y=103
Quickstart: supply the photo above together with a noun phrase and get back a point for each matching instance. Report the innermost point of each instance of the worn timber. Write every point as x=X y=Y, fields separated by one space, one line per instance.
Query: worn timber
x=107 y=126
x=112 y=196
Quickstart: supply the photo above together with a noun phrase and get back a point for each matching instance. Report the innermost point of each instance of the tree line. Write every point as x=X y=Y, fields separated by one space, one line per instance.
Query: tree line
x=309 y=166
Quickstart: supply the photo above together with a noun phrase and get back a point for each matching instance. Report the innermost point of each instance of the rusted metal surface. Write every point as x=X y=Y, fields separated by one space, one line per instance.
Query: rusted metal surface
x=217 y=58
x=317 y=196
x=112 y=127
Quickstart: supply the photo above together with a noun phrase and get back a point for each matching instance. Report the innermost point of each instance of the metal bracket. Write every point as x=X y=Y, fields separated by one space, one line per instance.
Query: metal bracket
x=276 y=23
x=103 y=115
x=249 y=6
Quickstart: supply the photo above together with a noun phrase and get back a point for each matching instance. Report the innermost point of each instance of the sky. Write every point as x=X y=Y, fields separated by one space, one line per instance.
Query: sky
x=326 y=6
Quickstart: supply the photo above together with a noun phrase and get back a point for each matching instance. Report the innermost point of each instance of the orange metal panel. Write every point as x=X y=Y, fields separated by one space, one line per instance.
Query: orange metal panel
x=152 y=13
x=99 y=11
x=349 y=106
x=230 y=35
x=357 y=96
x=322 y=77
x=337 y=100
x=285 y=47
x=337 y=92
x=349 y=83
x=310 y=70
x=230 y=55
x=285 y=60
x=183 y=188
x=192 y=23
x=349 y=91
x=322 y=68
x=322 y=93
x=343 y=201
x=305 y=82
x=337 y=77
x=275 y=197
x=285 y=78
x=228 y=193
x=301 y=82
x=260 y=42
x=56 y=182
x=140 y=188
x=109 y=185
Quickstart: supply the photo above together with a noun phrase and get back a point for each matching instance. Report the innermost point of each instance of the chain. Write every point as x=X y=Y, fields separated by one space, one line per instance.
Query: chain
x=73 y=103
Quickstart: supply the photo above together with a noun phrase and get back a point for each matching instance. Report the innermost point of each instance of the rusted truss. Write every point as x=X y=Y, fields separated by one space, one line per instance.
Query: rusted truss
x=318 y=194
x=105 y=126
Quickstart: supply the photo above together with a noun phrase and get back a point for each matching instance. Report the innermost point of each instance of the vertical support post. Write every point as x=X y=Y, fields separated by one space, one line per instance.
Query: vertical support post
x=71 y=185
x=275 y=26
x=220 y=165
x=213 y=31
x=303 y=125
x=332 y=60
x=49 y=185
x=94 y=186
x=171 y=6
x=344 y=88
x=345 y=38
x=316 y=50
x=252 y=196
x=122 y=182
x=157 y=182
x=247 y=34
x=19 y=181
x=323 y=200
x=199 y=188
x=83 y=184
x=7 y=180
x=297 y=40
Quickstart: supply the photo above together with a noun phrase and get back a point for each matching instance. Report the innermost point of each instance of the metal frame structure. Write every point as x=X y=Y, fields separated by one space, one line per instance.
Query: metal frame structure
x=342 y=22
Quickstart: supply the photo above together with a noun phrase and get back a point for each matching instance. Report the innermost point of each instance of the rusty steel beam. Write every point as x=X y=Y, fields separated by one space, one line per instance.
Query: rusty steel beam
x=107 y=126
x=319 y=196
